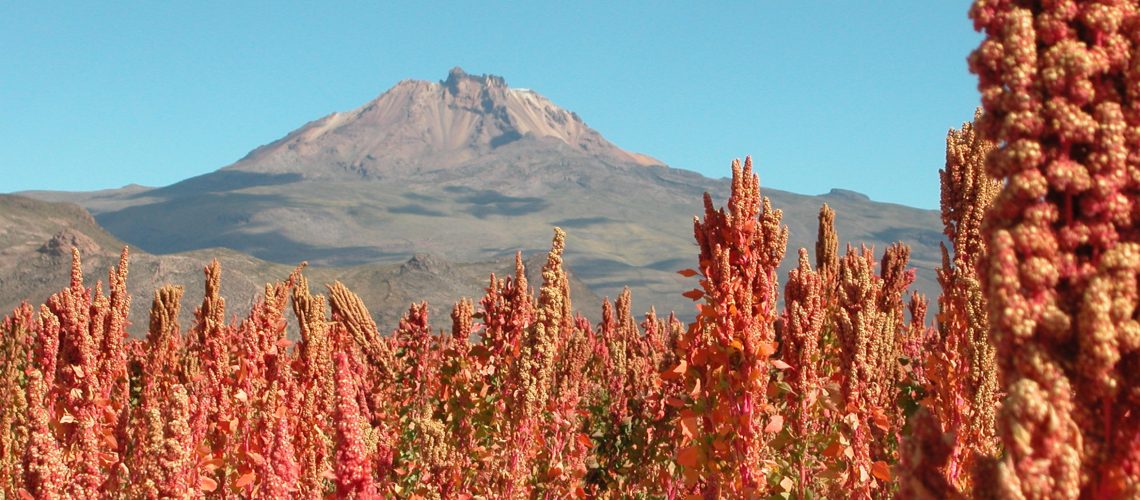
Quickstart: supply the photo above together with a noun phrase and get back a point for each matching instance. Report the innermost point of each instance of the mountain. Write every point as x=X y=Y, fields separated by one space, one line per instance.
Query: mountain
x=36 y=238
x=420 y=126
x=469 y=169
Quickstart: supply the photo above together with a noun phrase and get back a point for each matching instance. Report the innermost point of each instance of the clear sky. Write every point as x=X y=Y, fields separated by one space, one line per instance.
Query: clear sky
x=822 y=93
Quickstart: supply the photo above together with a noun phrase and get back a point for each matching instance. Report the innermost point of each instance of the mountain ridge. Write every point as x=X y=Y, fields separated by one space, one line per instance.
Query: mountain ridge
x=419 y=125
x=439 y=182
x=36 y=238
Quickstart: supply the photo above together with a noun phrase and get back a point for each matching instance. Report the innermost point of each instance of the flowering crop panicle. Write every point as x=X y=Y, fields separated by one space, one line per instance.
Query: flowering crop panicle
x=507 y=310
x=317 y=383
x=803 y=321
x=541 y=409
x=897 y=278
x=608 y=405
x=261 y=365
x=1060 y=97
x=621 y=345
x=45 y=472
x=961 y=370
x=416 y=358
x=920 y=341
x=629 y=430
x=77 y=345
x=113 y=397
x=282 y=469
x=208 y=367
x=353 y=462
x=871 y=333
x=462 y=325
x=562 y=462
x=647 y=407
x=829 y=355
x=207 y=359
x=279 y=469
x=76 y=367
x=826 y=243
x=348 y=309
x=45 y=347
x=424 y=451
x=164 y=341
x=534 y=368
x=458 y=402
x=162 y=465
x=373 y=356
x=642 y=357
x=16 y=336
x=724 y=354
x=860 y=328
x=506 y=313
x=656 y=336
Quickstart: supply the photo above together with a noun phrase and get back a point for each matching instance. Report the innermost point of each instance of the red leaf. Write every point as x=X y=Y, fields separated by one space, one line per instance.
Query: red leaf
x=881 y=470
x=689 y=456
x=879 y=418
x=833 y=450
x=675 y=372
x=780 y=365
x=689 y=427
x=107 y=458
x=245 y=480
x=766 y=349
x=721 y=444
x=212 y=464
x=695 y=294
x=585 y=440
x=775 y=424
x=207 y=484
x=554 y=472
x=706 y=311
x=228 y=426
x=688 y=273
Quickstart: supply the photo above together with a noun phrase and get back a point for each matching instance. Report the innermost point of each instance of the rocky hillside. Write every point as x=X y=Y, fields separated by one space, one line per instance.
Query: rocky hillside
x=36 y=238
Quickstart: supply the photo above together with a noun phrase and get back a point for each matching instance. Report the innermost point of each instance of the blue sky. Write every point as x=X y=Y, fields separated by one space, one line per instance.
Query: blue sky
x=823 y=94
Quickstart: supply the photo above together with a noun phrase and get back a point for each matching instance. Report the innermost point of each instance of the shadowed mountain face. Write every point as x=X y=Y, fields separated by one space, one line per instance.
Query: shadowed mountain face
x=469 y=170
x=36 y=238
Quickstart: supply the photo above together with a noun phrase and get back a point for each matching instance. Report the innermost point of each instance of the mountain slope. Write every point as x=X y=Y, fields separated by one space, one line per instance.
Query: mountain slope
x=418 y=126
x=469 y=169
x=35 y=257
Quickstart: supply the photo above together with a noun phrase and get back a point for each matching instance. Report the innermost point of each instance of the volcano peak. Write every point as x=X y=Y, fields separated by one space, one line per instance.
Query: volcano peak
x=418 y=126
x=457 y=80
